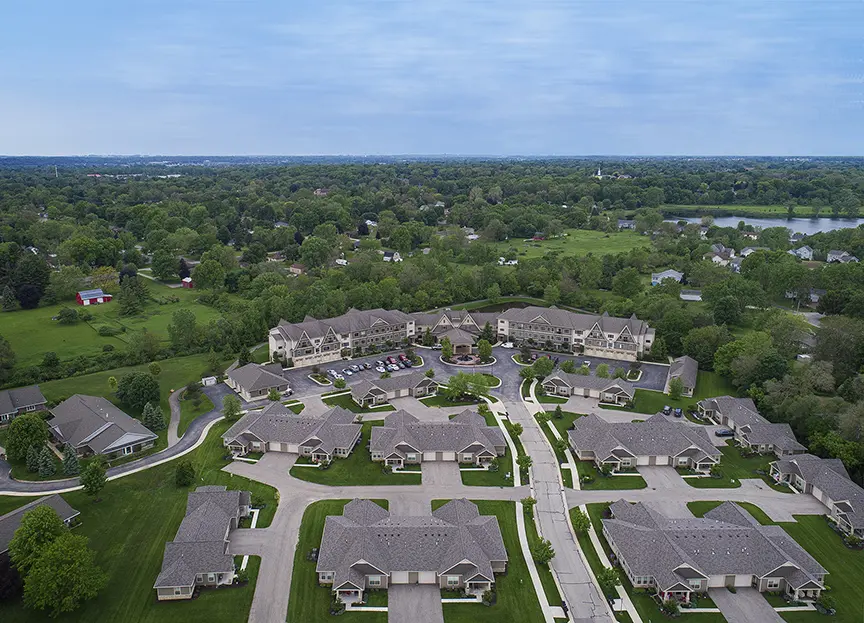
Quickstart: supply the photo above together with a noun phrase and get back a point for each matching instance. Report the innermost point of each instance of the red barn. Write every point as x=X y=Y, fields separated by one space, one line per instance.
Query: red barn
x=186 y=282
x=92 y=297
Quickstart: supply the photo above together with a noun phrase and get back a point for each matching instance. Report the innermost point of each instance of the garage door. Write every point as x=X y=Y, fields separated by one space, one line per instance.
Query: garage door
x=448 y=456
x=293 y=447
x=413 y=577
x=399 y=577
x=428 y=456
x=662 y=460
x=427 y=577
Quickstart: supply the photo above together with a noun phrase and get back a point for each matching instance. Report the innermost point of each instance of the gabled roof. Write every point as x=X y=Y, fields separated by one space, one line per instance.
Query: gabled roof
x=91 y=294
x=20 y=397
x=740 y=410
x=656 y=436
x=455 y=534
x=458 y=337
x=391 y=384
x=352 y=320
x=274 y=423
x=10 y=521
x=830 y=476
x=571 y=320
x=685 y=368
x=255 y=376
x=94 y=422
x=778 y=435
x=667 y=274
x=463 y=431
x=587 y=381
x=726 y=541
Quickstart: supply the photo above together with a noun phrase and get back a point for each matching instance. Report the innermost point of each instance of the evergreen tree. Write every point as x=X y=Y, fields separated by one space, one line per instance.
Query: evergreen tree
x=184 y=474
x=10 y=302
x=152 y=417
x=33 y=459
x=46 y=463
x=70 y=461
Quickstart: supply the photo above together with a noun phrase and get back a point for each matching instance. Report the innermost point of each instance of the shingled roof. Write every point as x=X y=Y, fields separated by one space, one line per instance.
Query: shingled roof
x=586 y=381
x=352 y=320
x=254 y=376
x=571 y=320
x=366 y=534
x=466 y=430
x=94 y=422
x=391 y=384
x=19 y=398
x=685 y=368
x=740 y=410
x=778 y=435
x=10 y=521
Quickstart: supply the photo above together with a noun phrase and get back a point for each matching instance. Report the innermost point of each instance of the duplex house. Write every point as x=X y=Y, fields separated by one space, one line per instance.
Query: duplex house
x=613 y=391
x=318 y=341
x=368 y=548
x=92 y=425
x=369 y=393
x=827 y=481
x=676 y=558
x=656 y=441
x=10 y=522
x=600 y=336
x=20 y=400
x=276 y=429
x=199 y=555
x=843 y=257
x=403 y=439
x=730 y=412
x=674 y=275
x=684 y=368
x=254 y=381
x=768 y=437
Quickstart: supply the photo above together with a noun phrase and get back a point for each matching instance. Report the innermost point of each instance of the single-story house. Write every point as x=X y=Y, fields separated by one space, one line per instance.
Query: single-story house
x=378 y=391
x=614 y=391
x=769 y=437
x=92 y=297
x=254 y=380
x=828 y=481
x=684 y=368
x=730 y=412
x=368 y=548
x=676 y=558
x=656 y=441
x=20 y=400
x=199 y=555
x=747 y=251
x=92 y=425
x=10 y=522
x=277 y=429
x=403 y=439
x=674 y=275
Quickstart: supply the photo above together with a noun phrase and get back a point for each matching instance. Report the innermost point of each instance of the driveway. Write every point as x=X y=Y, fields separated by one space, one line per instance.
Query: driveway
x=422 y=412
x=661 y=477
x=414 y=603
x=745 y=606
x=443 y=473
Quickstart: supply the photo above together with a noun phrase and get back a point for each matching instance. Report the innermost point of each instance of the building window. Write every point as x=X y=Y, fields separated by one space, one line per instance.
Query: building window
x=177 y=591
x=452 y=580
x=772 y=583
x=468 y=457
x=30 y=408
x=697 y=584
x=374 y=580
x=127 y=450
x=411 y=457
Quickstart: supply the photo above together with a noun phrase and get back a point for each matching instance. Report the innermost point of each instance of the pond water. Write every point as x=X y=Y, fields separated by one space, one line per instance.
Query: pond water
x=803 y=225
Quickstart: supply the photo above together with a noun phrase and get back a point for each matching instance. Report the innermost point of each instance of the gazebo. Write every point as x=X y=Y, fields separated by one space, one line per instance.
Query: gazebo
x=462 y=341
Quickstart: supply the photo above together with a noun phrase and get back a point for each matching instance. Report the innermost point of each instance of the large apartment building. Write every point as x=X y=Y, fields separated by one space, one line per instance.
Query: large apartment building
x=318 y=341
x=599 y=336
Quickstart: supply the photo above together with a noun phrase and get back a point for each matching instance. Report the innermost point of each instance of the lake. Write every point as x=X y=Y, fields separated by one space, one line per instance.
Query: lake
x=803 y=225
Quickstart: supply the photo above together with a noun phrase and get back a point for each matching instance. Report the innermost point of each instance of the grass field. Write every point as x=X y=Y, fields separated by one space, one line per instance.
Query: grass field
x=708 y=385
x=128 y=529
x=445 y=403
x=607 y=483
x=188 y=412
x=346 y=402
x=553 y=596
x=703 y=506
x=766 y=211
x=310 y=602
x=517 y=601
x=575 y=242
x=32 y=333
x=734 y=467
x=492 y=479
x=357 y=469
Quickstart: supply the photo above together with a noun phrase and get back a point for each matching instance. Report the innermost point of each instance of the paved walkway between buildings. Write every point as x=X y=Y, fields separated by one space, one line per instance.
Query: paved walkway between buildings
x=746 y=605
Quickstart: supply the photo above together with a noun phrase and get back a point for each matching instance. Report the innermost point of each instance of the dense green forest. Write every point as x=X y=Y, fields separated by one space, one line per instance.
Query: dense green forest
x=235 y=230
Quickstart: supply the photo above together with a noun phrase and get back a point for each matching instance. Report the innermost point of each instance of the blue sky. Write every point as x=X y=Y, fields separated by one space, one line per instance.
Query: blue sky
x=530 y=77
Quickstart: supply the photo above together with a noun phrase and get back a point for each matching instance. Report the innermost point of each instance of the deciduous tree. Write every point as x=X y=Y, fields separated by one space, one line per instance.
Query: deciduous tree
x=26 y=431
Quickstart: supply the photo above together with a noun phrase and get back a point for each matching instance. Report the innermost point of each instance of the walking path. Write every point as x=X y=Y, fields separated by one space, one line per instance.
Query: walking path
x=174 y=423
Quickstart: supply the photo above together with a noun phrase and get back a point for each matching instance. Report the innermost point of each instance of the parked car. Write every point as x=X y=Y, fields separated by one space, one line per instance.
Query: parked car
x=331 y=373
x=679 y=412
x=391 y=360
x=408 y=363
x=507 y=345
x=403 y=357
x=368 y=365
x=380 y=369
x=724 y=432
x=338 y=377
x=401 y=364
x=347 y=372
x=393 y=367
x=667 y=410
x=379 y=363
x=533 y=356
x=436 y=347
x=354 y=368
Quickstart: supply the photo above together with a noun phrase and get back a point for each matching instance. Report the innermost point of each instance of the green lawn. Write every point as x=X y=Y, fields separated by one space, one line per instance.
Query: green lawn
x=441 y=401
x=564 y=424
x=188 y=411
x=357 y=469
x=525 y=388
x=607 y=483
x=346 y=402
x=517 y=601
x=553 y=596
x=576 y=242
x=295 y=407
x=310 y=602
x=492 y=479
x=708 y=385
x=845 y=566
x=32 y=333
x=765 y=211
x=734 y=467
x=645 y=604
x=129 y=531
x=552 y=400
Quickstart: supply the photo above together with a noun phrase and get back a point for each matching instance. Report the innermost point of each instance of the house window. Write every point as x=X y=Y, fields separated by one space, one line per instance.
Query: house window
x=452 y=580
x=411 y=457
x=127 y=450
x=327 y=576
x=177 y=591
x=211 y=577
x=199 y=578
x=697 y=584
x=772 y=583
x=682 y=460
x=468 y=456
x=30 y=408
x=374 y=580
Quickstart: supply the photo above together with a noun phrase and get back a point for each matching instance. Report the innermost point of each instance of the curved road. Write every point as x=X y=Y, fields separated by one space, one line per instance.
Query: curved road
x=10 y=486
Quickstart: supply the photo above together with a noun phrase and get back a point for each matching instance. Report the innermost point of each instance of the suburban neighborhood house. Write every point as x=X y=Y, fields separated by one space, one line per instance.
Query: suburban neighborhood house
x=730 y=412
x=276 y=429
x=403 y=439
x=687 y=370
x=601 y=336
x=843 y=257
x=92 y=425
x=10 y=521
x=198 y=555
x=254 y=381
x=726 y=548
x=656 y=441
x=368 y=393
x=614 y=391
x=318 y=341
x=827 y=481
x=751 y=429
x=674 y=275
x=368 y=548
x=20 y=400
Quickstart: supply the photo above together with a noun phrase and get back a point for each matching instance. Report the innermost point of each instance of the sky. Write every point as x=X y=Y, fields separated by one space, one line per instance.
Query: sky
x=460 y=77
